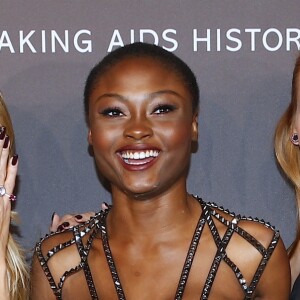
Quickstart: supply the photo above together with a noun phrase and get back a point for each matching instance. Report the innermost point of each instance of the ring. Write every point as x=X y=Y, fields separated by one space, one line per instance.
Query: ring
x=11 y=197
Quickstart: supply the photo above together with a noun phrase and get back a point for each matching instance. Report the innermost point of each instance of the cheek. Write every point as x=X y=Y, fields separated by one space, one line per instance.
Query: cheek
x=178 y=135
x=101 y=140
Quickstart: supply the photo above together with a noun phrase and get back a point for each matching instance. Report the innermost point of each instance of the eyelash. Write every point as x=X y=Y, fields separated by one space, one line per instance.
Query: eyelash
x=163 y=109
x=117 y=112
x=112 y=112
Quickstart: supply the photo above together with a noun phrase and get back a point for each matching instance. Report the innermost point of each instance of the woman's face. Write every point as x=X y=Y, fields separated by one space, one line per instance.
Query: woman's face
x=141 y=127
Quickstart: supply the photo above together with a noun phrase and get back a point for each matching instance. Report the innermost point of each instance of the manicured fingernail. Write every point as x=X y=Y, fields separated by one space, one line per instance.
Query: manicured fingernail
x=65 y=224
x=79 y=217
x=14 y=159
x=52 y=217
x=2 y=132
x=60 y=228
x=6 y=142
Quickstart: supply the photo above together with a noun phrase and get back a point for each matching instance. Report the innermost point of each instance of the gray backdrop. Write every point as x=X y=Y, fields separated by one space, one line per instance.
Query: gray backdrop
x=242 y=52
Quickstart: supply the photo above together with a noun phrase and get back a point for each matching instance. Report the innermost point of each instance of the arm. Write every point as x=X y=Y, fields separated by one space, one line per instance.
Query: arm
x=275 y=283
x=4 y=294
x=4 y=232
x=295 y=263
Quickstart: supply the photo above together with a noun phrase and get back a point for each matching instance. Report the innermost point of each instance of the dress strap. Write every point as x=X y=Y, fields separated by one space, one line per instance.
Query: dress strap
x=190 y=257
x=185 y=270
x=110 y=260
x=78 y=232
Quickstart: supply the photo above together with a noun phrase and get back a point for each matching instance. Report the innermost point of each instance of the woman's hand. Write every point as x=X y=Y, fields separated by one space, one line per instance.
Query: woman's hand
x=8 y=173
x=69 y=220
x=62 y=223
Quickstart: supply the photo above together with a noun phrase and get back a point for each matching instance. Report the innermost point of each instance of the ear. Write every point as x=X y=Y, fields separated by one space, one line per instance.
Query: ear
x=90 y=139
x=195 y=127
x=295 y=138
x=294 y=134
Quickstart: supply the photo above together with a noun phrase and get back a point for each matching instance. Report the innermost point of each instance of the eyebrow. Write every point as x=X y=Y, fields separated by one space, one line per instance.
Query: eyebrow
x=151 y=95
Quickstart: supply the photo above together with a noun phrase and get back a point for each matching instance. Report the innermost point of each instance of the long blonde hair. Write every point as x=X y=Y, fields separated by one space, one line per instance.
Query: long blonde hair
x=17 y=269
x=287 y=154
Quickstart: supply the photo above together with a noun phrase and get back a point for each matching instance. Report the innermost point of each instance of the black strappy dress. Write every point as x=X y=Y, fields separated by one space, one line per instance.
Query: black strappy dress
x=84 y=235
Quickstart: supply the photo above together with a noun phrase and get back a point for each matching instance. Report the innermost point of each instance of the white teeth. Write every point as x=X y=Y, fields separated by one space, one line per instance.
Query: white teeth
x=139 y=154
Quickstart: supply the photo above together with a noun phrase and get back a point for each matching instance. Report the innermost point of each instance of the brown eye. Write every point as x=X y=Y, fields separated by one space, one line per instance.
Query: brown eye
x=112 y=112
x=164 y=109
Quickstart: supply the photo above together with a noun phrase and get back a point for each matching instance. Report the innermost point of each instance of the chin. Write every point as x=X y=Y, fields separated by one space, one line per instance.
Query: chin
x=145 y=193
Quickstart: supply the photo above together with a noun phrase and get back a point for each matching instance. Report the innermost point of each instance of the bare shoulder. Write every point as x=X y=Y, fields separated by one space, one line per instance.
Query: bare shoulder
x=255 y=231
x=50 y=261
x=63 y=248
x=275 y=280
x=257 y=249
x=59 y=255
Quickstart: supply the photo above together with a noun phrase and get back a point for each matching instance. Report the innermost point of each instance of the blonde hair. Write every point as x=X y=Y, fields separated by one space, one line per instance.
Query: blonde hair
x=18 y=277
x=287 y=154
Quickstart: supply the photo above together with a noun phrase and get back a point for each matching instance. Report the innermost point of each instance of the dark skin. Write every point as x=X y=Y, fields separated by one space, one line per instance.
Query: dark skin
x=138 y=106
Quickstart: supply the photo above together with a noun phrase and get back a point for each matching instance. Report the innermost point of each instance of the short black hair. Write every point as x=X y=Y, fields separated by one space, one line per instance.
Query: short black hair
x=139 y=49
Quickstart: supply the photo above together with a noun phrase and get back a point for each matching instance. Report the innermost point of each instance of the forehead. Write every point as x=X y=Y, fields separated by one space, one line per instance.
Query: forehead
x=136 y=70
x=141 y=64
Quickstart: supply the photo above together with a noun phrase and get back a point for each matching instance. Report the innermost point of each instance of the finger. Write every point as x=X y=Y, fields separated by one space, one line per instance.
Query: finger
x=55 y=222
x=4 y=148
x=2 y=137
x=65 y=222
x=11 y=175
x=68 y=223
x=81 y=218
x=104 y=206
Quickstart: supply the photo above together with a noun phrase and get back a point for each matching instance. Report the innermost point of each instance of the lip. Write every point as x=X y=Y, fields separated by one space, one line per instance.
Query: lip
x=138 y=157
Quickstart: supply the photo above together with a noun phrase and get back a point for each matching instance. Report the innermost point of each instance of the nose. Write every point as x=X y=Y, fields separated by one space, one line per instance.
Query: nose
x=138 y=128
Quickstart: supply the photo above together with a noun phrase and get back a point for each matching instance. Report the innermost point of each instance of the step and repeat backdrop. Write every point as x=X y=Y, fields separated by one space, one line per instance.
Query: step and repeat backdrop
x=242 y=52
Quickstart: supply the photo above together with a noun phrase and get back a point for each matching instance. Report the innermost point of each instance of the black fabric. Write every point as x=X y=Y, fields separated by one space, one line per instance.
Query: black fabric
x=295 y=295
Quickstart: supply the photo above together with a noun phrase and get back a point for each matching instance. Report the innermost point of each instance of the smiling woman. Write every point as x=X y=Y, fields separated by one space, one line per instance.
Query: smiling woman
x=141 y=105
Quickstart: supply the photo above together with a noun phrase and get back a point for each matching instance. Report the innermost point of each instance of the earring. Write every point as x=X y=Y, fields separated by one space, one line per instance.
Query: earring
x=295 y=139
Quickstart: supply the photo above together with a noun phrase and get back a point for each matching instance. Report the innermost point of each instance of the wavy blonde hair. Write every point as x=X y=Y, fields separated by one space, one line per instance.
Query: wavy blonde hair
x=18 y=277
x=287 y=154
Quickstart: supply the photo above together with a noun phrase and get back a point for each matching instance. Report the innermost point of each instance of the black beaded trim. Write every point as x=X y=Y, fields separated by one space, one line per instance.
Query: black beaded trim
x=94 y=222
x=233 y=225
x=110 y=261
x=98 y=223
x=190 y=258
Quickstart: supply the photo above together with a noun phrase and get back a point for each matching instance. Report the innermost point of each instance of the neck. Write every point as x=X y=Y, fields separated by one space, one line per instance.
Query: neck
x=151 y=217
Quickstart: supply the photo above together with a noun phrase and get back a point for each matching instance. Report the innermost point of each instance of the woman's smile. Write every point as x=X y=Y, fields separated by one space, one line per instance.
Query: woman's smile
x=138 y=160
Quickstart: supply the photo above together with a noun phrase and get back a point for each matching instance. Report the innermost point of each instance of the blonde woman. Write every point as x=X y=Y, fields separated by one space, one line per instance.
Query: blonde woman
x=13 y=271
x=287 y=151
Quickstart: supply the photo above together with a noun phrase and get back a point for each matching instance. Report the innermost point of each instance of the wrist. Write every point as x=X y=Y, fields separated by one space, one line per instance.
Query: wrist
x=4 y=280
